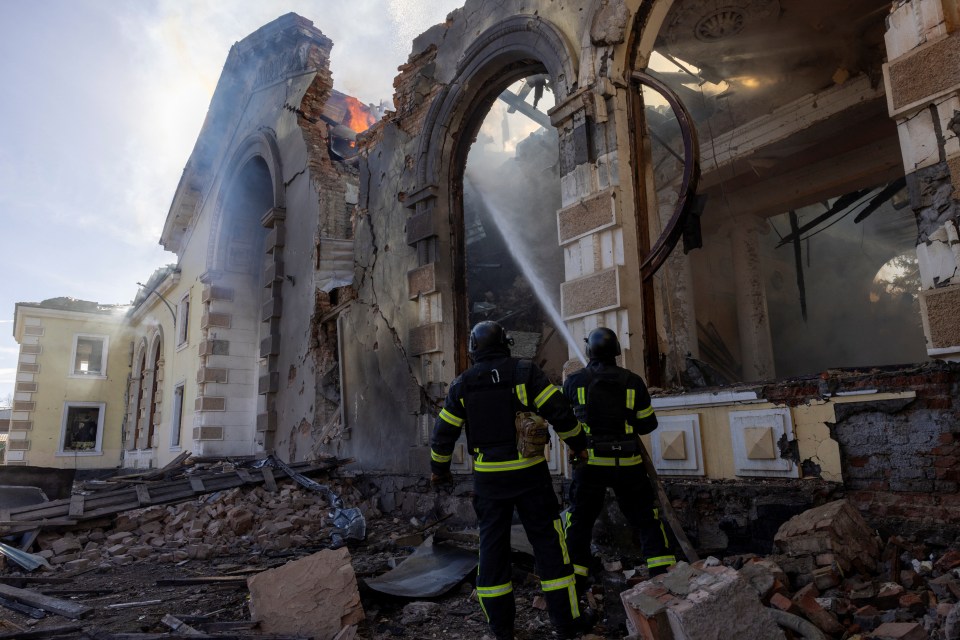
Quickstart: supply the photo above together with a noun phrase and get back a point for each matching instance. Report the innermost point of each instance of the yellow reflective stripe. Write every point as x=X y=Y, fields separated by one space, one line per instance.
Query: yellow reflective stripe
x=559 y=583
x=570 y=584
x=461 y=403
x=631 y=398
x=436 y=457
x=493 y=592
x=613 y=462
x=581 y=395
x=449 y=418
x=666 y=541
x=628 y=428
x=509 y=465
x=645 y=413
x=558 y=527
x=569 y=434
x=661 y=561
x=545 y=395
x=580 y=570
x=521 y=391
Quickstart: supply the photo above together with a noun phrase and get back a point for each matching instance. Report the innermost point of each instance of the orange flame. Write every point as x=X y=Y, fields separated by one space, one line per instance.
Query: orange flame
x=358 y=115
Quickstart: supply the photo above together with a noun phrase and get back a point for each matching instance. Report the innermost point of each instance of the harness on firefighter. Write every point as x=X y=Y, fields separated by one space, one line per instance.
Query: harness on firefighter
x=602 y=407
x=493 y=421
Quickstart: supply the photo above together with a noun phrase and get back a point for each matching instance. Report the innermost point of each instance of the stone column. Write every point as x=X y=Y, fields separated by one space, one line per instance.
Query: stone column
x=756 y=346
x=923 y=96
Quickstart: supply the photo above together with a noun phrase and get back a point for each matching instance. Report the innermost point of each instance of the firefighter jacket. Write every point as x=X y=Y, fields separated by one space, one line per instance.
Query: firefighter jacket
x=485 y=399
x=613 y=405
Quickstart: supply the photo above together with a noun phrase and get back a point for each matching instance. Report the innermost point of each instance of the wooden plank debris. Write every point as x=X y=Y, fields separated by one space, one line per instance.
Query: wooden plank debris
x=125 y=498
x=49 y=632
x=76 y=505
x=143 y=495
x=220 y=580
x=268 y=480
x=49 y=604
x=179 y=626
x=33 y=612
x=130 y=605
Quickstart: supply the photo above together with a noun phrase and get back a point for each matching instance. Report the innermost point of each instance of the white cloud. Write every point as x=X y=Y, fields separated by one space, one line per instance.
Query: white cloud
x=8 y=376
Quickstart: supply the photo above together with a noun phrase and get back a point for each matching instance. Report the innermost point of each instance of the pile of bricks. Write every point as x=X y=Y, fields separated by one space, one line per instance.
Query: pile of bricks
x=832 y=573
x=218 y=524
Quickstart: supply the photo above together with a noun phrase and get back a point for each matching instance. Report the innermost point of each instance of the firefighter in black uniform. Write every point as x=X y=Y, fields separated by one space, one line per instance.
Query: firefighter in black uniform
x=613 y=405
x=485 y=400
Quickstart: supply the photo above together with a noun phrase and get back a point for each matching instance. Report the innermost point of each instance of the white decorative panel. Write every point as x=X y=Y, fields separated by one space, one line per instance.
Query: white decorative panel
x=755 y=436
x=675 y=446
x=15 y=456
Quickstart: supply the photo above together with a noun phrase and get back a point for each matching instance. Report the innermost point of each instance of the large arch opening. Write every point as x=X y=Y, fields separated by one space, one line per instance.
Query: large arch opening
x=240 y=293
x=510 y=259
x=801 y=191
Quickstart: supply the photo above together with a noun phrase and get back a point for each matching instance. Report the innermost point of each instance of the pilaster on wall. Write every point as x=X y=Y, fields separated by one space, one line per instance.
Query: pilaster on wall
x=24 y=405
x=268 y=383
x=590 y=223
x=923 y=95
x=423 y=287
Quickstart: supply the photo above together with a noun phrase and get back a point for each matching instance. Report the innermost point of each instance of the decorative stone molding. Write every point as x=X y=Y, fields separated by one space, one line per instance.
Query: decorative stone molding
x=594 y=293
x=924 y=74
x=589 y=215
x=426 y=339
x=422 y=280
x=756 y=437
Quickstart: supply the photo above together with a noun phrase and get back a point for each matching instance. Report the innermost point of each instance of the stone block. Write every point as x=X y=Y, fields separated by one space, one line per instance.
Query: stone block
x=924 y=73
x=589 y=215
x=314 y=596
x=899 y=631
x=694 y=602
x=590 y=294
x=421 y=280
x=940 y=308
x=65 y=545
x=837 y=528
x=426 y=339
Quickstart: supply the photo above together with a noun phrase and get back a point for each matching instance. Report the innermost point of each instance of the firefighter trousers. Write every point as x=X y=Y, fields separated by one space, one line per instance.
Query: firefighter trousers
x=530 y=492
x=635 y=497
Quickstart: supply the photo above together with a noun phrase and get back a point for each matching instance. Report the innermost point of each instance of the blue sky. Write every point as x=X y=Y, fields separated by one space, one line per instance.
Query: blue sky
x=102 y=101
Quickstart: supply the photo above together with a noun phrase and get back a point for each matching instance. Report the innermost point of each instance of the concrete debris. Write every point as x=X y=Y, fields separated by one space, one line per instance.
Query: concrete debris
x=315 y=596
x=693 y=602
x=848 y=587
x=833 y=536
x=222 y=523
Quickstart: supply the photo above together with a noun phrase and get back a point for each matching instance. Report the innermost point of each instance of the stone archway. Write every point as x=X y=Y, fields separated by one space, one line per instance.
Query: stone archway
x=515 y=48
x=238 y=375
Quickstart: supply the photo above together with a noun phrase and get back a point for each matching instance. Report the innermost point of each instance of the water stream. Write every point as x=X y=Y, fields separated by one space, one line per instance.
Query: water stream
x=523 y=255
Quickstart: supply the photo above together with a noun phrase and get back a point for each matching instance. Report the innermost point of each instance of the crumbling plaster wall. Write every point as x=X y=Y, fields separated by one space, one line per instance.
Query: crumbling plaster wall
x=399 y=341
x=267 y=105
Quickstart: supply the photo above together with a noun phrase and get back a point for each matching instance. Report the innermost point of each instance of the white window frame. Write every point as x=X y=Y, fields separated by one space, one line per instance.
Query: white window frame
x=98 y=450
x=176 y=418
x=72 y=372
x=183 y=321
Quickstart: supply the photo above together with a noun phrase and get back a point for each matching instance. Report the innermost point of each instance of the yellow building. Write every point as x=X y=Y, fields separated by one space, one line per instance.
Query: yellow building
x=165 y=336
x=68 y=405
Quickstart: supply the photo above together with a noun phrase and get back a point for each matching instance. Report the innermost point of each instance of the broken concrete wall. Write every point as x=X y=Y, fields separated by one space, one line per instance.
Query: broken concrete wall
x=923 y=48
x=259 y=192
x=404 y=344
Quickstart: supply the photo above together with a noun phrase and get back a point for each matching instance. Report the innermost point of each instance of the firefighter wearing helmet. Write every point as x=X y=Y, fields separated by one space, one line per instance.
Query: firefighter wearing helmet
x=613 y=406
x=499 y=401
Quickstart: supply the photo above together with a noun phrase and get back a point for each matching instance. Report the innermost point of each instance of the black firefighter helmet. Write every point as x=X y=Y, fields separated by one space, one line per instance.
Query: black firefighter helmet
x=489 y=336
x=602 y=344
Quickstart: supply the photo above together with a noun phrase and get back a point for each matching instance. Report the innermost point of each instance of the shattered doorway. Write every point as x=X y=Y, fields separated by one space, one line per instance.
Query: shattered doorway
x=511 y=193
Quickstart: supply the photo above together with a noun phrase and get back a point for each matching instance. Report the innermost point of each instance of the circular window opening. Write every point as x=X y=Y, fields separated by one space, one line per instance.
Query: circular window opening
x=719 y=24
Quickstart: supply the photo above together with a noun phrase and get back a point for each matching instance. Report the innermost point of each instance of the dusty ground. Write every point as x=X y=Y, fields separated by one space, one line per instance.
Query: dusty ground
x=456 y=615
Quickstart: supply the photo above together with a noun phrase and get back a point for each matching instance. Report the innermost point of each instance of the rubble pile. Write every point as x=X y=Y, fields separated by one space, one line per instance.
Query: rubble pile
x=832 y=578
x=218 y=524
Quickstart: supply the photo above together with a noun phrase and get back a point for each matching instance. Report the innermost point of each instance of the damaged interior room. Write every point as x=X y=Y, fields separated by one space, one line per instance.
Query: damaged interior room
x=760 y=198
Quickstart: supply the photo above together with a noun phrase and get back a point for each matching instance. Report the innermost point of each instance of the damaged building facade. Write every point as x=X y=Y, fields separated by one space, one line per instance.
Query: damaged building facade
x=759 y=198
